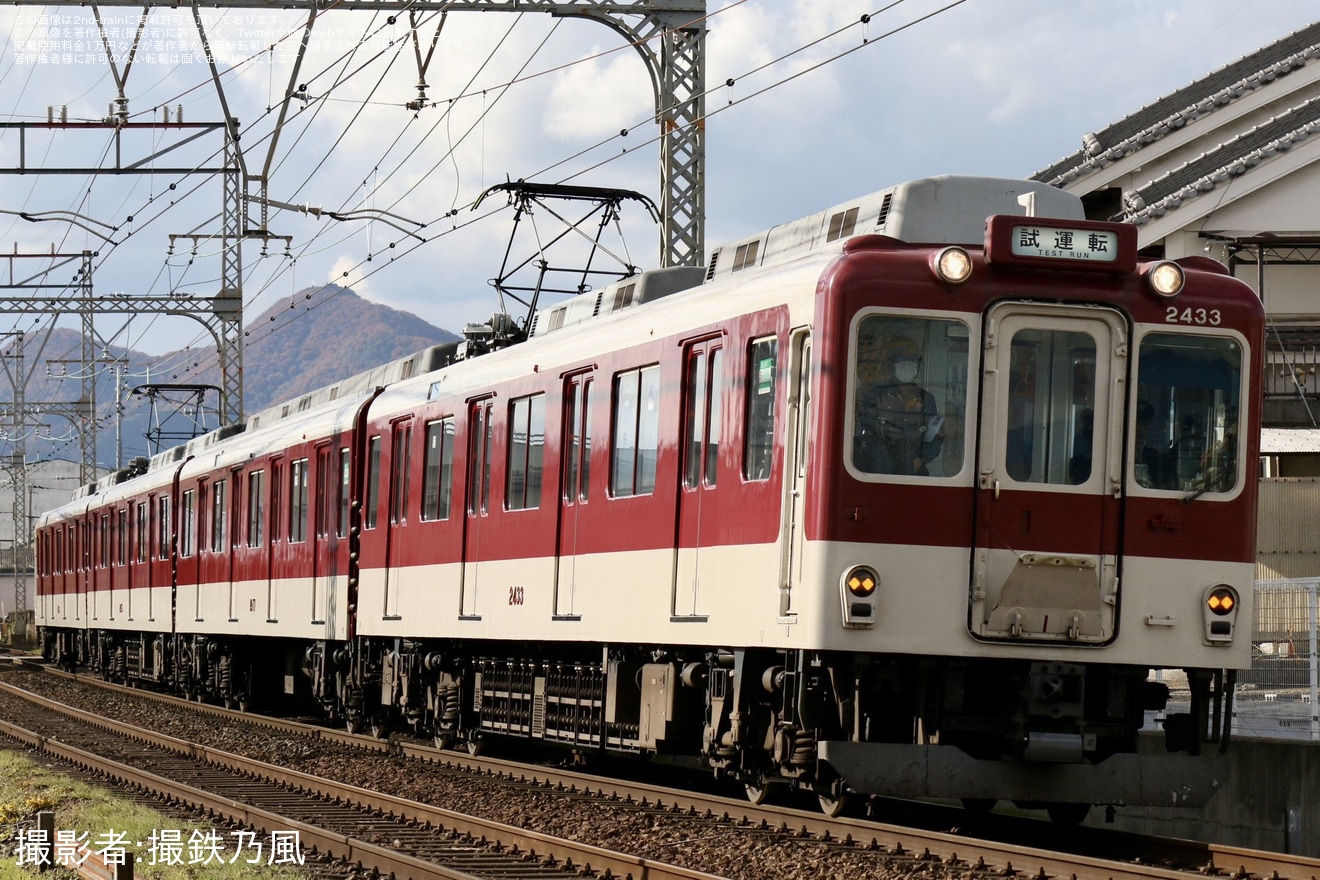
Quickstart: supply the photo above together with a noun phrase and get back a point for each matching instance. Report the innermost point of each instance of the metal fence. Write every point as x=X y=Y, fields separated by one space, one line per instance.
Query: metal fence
x=1277 y=697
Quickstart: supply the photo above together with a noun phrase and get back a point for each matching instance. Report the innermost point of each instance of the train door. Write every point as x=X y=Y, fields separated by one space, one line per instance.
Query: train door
x=575 y=484
x=480 y=437
x=102 y=539
x=125 y=553
x=797 y=428
x=233 y=538
x=140 y=581
x=400 y=467
x=273 y=530
x=1049 y=465
x=703 y=381
x=323 y=562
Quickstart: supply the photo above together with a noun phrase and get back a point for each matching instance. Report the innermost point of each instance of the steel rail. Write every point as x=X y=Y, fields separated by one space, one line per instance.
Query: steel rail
x=516 y=840
x=1208 y=858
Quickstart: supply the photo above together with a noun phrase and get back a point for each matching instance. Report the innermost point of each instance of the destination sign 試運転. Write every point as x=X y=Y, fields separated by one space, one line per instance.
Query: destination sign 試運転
x=1056 y=243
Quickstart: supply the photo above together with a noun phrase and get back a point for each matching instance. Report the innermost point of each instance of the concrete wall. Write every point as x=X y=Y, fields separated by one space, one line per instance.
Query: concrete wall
x=1271 y=802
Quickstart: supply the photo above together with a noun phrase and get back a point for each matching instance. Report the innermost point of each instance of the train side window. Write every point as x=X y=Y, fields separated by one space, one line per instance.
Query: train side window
x=142 y=532
x=163 y=545
x=188 y=517
x=121 y=544
x=636 y=431
x=298 y=501
x=438 y=469
x=522 y=488
x=325 y=487
x=218 y=517
x=103 y=545
x=256 y=514
x=704 y=396
x=577 y=434
x=373 y=482
x=345 y=474
x=400 y=468
x=275 y=475
x=759 y=432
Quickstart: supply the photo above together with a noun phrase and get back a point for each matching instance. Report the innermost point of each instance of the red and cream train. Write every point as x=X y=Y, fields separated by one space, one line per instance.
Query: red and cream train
x=718 y=512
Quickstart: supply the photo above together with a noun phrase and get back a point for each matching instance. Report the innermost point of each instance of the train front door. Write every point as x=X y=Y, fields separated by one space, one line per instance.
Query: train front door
x=703 y=392
x=1049 y=474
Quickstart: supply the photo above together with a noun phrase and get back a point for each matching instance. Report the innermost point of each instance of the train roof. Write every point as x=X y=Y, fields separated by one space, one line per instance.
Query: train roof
x=950 y=209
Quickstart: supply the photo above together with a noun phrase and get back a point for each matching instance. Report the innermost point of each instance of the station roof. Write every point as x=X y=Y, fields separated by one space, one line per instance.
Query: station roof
x=1236 y=123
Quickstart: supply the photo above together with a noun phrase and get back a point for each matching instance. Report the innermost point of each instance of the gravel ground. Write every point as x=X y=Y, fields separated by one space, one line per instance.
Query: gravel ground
x=739 y=854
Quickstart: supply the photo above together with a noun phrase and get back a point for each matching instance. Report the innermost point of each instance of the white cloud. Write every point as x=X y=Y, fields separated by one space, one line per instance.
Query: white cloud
x=348 y=271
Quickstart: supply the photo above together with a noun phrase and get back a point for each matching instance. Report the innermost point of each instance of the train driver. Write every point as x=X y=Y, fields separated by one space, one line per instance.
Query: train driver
x=898 y=422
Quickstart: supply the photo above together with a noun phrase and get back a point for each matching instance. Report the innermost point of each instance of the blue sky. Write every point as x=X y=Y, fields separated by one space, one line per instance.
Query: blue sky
x=1001 y=87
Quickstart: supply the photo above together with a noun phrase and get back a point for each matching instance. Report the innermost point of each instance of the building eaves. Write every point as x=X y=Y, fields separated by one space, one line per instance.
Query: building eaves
x=1225 y=162
x=1189 y=103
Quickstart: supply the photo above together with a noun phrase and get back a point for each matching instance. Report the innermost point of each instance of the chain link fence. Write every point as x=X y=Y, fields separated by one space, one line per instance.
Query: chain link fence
x=1276 y=697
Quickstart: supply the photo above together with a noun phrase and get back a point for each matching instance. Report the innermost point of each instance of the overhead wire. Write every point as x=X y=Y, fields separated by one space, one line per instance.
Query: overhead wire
x=410 y=247
x=863 y=21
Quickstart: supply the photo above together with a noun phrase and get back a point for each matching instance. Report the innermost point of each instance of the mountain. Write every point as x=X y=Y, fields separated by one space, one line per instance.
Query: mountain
x=313 y=339
x=319 y=336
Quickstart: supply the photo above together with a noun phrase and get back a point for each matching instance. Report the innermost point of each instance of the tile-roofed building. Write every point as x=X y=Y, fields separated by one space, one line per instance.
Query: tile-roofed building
x=1229 y=166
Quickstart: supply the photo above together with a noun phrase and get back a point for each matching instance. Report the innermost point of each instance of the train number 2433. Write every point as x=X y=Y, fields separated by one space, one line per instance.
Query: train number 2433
x=515 y=595
x=1174 y=315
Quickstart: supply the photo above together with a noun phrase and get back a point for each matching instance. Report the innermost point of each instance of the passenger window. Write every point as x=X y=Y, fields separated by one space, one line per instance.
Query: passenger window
x=636 y=430
x=187 y=523
x=298 y=501
x=438 y=470
x=256 y=507
x=522 y=490
x=373 y=483
x=759 y=431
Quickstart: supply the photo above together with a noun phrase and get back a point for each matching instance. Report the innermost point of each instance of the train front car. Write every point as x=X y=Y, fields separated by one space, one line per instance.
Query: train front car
x=1030 y=488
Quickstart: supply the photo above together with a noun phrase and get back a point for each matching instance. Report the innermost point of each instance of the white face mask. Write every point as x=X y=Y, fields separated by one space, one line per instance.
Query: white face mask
x=905 y=371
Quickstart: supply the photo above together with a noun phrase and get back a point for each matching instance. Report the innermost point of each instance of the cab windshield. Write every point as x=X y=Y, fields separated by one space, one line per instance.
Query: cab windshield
x=1185 y=424
x=909 y=396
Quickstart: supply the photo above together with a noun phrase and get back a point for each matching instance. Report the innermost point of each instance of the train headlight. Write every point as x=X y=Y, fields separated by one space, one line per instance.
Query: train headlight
x=953 y=265
x=1219 y=610
x=1166 y=279
x=857 y=594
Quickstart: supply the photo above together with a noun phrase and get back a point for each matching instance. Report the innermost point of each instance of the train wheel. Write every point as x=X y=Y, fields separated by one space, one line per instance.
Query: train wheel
x=474 y=744
x=1067 y=814
x=834 y=806
x=380 y=729
x=979 y=805
x=353 y=725
x=760 y=791
x=444 y=740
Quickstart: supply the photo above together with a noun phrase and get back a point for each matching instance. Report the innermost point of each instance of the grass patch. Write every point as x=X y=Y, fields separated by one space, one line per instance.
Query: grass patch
x=28 y=786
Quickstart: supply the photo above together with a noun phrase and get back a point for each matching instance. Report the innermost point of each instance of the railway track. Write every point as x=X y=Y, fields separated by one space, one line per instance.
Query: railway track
x=951 y=851
x=378 y=832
